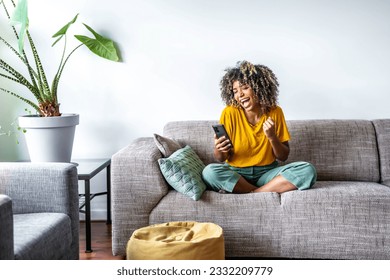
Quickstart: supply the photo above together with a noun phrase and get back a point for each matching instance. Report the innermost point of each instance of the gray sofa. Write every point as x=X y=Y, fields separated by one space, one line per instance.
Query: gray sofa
x=39 y=217
x=345 y=215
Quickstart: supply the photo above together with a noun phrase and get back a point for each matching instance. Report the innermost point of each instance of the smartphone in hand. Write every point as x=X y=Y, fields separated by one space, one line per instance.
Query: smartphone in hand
x=220 y=131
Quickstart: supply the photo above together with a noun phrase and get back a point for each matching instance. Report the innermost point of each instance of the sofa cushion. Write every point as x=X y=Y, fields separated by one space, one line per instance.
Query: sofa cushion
x=339 y=149
x=250 y=222
x=337 y=220
x=42 y=236
x=183 y=171
x=166 y=145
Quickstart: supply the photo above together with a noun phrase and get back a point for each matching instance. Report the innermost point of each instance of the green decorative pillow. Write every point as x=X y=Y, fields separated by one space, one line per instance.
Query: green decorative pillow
x=183 y=171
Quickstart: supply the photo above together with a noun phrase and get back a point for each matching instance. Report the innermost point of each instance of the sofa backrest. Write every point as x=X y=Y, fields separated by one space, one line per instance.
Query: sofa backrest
x=344 y=150
x=197 y=134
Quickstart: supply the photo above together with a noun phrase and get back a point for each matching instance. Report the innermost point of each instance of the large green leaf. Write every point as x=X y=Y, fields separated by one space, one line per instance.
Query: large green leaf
x=100 y=46
x=20 y=17
x=63 y=30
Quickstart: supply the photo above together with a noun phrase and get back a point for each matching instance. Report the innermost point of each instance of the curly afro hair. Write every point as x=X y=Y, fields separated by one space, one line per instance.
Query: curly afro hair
x=259 y=77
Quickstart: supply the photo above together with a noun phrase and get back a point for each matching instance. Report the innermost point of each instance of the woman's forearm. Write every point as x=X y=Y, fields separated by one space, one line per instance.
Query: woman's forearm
x=281 y=150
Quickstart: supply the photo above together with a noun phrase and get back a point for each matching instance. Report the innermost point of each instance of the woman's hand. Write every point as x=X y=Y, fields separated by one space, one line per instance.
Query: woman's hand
x=269 y=128
x=222 y=148
x=281 y=150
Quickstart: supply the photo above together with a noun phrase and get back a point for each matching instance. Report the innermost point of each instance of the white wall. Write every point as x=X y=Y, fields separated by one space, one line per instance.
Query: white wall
x=331 y=58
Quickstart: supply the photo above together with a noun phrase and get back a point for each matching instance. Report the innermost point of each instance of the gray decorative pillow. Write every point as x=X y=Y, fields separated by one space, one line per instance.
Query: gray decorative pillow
x=183 y=171
x=166 y=146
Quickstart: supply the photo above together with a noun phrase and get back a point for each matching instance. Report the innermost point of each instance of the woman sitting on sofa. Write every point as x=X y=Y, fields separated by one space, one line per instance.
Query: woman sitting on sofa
x=259 y=137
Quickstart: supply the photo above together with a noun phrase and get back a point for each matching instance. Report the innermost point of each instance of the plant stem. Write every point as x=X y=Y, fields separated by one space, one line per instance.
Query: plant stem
x=59 y=73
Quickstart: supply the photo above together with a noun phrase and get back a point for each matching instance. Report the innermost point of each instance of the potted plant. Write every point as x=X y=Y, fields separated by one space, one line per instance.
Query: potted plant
x=46 y=102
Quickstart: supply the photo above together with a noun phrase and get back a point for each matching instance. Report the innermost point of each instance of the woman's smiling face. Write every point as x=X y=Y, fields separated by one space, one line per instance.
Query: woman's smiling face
x=244 y=96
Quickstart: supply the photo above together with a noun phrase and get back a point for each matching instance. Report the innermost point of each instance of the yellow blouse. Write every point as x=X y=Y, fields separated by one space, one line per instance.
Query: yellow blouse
x=251 y=146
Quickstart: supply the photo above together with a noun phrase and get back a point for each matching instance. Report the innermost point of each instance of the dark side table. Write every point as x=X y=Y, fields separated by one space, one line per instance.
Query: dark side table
x=87 y=169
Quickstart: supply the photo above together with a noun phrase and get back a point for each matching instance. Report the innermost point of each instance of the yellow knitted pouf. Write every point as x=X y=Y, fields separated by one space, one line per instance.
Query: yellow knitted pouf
x=177 y=241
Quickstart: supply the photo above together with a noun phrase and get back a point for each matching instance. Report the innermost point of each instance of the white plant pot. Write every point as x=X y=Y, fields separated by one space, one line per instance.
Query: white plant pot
x=49 y=139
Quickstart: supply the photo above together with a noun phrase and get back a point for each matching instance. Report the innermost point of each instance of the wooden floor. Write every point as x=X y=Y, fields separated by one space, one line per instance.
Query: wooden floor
x=101 y=242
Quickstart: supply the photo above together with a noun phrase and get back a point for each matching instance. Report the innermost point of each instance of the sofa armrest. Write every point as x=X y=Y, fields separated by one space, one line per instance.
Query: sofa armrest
x=43 y=187
x=136 y=188
x=6 y=228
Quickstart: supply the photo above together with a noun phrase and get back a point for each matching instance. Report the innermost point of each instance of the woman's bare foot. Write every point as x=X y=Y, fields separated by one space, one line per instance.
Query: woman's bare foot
x=278 y=184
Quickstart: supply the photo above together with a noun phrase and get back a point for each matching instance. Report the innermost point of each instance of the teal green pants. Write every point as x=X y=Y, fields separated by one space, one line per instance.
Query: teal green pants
x=222 y=176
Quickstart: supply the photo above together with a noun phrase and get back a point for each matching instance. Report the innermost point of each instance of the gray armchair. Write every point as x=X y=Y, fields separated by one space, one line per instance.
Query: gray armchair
x=39 y=216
